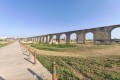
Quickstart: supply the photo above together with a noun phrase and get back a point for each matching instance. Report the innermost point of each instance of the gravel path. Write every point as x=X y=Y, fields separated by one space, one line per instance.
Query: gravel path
x=15 y=64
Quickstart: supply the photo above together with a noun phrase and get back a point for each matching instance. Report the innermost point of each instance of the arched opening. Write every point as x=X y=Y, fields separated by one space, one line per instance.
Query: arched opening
x=45 y=39
x=48 y=38
x=41 y=39
x=36 y=39
x=73 y=38
x=63 y=39
x=54 y=39
x=115 y=35
x=89 y=38
x=32 y=39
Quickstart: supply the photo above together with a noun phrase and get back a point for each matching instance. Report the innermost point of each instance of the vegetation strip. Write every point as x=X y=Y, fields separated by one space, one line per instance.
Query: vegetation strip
x=3 y=44
x=67 y=47
x=93 y=68
x=77 y=74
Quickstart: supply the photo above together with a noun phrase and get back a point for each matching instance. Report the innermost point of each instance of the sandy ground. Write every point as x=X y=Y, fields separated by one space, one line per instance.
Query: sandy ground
x=15 y=64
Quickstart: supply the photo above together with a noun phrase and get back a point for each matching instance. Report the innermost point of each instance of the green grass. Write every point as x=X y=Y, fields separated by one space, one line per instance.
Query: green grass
x=68 y=47
x=93 y=68
x=63 y=73
x=1 y=44
x=52 y=47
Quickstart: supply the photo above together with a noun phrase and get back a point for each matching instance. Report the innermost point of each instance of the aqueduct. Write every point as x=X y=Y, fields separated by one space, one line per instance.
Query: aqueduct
x=101 y=35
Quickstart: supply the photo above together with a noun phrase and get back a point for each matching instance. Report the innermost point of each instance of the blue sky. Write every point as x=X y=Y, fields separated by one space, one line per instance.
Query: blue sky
x=23 y=18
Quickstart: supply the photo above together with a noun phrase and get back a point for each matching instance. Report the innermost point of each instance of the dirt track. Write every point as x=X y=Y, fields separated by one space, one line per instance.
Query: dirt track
x=113 y=50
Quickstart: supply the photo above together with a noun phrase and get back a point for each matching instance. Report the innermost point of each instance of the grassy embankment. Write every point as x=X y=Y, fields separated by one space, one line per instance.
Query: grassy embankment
x=93 y=68
x=2 y=44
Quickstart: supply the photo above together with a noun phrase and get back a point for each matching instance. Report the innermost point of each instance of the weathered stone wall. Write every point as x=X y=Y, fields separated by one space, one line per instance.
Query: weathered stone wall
x=101 y=35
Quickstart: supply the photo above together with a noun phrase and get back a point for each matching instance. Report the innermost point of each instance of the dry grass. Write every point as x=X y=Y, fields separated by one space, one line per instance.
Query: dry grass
x=89 y=68
x=95 y=62
x=3 y=43
x=84 y=51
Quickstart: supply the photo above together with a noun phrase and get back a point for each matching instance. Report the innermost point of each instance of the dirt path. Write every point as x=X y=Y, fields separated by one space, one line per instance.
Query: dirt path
x=15 y=64
x=113 y=50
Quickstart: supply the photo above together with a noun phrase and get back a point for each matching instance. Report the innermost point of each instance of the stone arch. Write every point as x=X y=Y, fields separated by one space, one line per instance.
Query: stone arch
x=35 y=39
x=54 y=38
x=111 y=28
x=48 y=38
x=42 y=39
x=73 y=38
x=39 y=39
x=45 y=39
x=89 y=38
x=115 y=35
x=63 y=38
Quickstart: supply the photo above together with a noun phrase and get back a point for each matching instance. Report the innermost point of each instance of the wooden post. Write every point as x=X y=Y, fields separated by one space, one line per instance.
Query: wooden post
x=34 y=57
x=26 y=48
x=53 y=71
x=29 y=51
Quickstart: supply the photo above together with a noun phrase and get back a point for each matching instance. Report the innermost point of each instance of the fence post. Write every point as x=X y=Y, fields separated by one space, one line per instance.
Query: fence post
x=29 y=51
x=53 y=71
x=34 y=57
x=26 y=48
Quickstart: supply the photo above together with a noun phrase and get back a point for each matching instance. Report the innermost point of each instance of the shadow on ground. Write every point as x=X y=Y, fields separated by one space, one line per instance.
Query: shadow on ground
x=25 y=54
x=29 y=60
x=34 y=74
x=1 y=78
